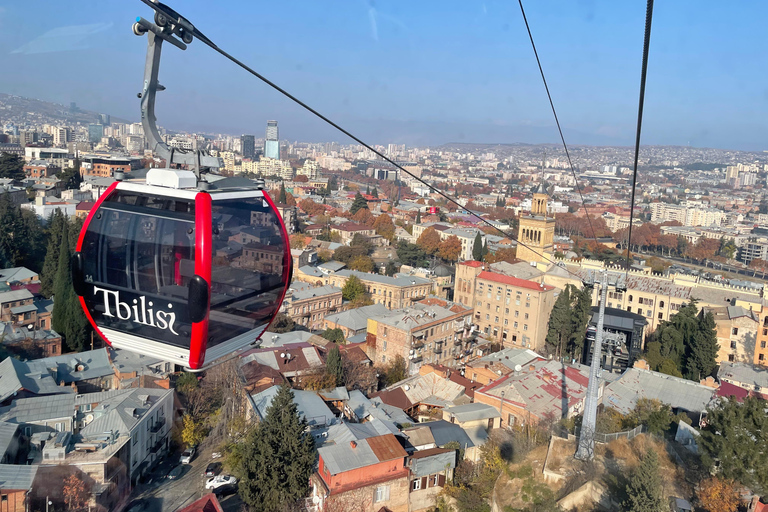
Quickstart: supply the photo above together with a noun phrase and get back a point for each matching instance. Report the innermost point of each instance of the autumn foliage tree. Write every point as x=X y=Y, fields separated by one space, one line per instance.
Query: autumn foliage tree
x=450 y=248
x=718 y=495
x=311 y=208
x=384 y=226
x=429 y=241
x=75 y=493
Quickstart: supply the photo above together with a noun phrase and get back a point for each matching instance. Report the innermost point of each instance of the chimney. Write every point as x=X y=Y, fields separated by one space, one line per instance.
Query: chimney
x=353 y=444
x=531 y=368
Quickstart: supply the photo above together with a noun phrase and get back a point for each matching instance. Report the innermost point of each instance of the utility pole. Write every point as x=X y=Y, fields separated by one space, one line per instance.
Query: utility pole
x=586 y=449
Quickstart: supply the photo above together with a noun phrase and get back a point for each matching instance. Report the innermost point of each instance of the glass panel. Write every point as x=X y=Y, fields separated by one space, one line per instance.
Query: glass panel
x=138 y=261
x=247 y=271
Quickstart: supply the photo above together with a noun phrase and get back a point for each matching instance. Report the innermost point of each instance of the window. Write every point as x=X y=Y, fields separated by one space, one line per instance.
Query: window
x=87 y=407
x=761 y=357
x=510 y=420
x=59 y=427
x=515 y=325
x=517 y=314
x=731 y=357
x=384 y=346
x=496 y=320
x=765 y=332
x=735 y=331
x=660 y=315
x=525 y=327
x=506 y=311
x=382 y=494
x=416 y=484
x=487 y=316
x=497 y=309
x=435 y=480
x=661 y=303
x=526 y=316
x=630 y=298
x=762 y=344
x=527 y=304
x=733 y=344
x=506 y=322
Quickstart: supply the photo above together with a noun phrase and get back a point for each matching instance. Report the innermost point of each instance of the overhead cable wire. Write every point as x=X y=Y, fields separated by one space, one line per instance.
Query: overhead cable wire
x=557 y=121
x=641 y=103
x=370 y=148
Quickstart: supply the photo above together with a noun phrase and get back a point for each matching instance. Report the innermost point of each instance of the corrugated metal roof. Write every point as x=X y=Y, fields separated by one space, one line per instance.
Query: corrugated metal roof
x=39 y=408
x=386 y=447
x=473 y=412
x=308 y=403
x=744 y=373
x=396 y=280
x=92 y=364
x=635 y=383
x=431 y=461
x=13 y=477
x=7 y=433
x=442 y=432
x=318 y=291
x=357 y=319
x=122 y=411
x=15 y=295
x=342 y=457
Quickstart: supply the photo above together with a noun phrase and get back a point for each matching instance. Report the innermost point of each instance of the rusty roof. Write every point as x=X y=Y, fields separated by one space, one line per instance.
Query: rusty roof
x=386 y=447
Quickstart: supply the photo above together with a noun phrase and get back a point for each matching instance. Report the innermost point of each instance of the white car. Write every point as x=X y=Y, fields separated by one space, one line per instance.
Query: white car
x=220 y=481
x=186 y=457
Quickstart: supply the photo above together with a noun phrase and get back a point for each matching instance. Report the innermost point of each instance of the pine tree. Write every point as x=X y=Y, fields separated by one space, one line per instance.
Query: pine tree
x=645 y=492
x=358 y=204
x=334 y=366
x=279 y=457
x=282 y=198
x=701 y=356
x=477 y=248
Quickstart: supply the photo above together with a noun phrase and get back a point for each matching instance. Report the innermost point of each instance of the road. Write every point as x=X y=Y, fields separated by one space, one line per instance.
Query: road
x=725 y=269
x=164 y=495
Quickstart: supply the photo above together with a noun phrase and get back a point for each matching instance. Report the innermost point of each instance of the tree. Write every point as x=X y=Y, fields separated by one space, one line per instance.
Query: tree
x=735 y=436
x=75 y=493
x=361 y=263
x=384 y=226
x=11 y=166
x=67 y=313
x=279 y=457
x=346 y=254
x=560 y=326
x=653 y=414
x=282 y=323
x=358 y=204
x=758 y=265
x=418 y=216
x=396 y=370
x=71 y=177
x=193 y=431
x=701 y=357
x=334 y=367
x=718 y=495
x=429 y=241
x=362 y=241
x=411 y=254
x=282 y=198
x=450 y=248
x=391 y=269
x=335 y=335
x=353 y=289
x=375 y=192
x=645 y=491
x=365 y=217
x=477 y=248
x=51 y=263
x=298 y=241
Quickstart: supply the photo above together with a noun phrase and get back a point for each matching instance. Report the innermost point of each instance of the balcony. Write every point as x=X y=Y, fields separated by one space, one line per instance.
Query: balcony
x=457 y=342
x=438 y=349
x=158 y=425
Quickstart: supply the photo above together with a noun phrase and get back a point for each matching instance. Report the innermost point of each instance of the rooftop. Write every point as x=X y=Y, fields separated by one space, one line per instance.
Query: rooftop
x=744 y=373
x=514 y=281
x=473 y=412
x=623 y=393
x=13 y=477
x=365 y=452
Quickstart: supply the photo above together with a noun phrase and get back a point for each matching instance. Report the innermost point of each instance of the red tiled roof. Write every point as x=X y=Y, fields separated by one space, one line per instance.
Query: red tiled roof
x=386 y=447
x=514 y=281
x=727 y=389
x=474 y=264
x=207 y=503
x=395 y=397
x=85 y=205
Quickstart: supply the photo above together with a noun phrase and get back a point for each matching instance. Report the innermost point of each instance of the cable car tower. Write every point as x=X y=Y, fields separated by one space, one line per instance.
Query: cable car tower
x=586 y=449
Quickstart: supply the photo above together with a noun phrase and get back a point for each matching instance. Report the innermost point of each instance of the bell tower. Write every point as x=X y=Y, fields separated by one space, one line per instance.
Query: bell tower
x=537 y=230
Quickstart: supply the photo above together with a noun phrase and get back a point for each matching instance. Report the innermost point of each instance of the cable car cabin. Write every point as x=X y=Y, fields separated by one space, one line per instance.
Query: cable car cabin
x=182 y=274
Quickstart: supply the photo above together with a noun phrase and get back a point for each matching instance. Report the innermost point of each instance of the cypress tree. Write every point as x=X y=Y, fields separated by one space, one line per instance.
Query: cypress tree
x=278 y=458
x=333 y=365
x=645 y=492
x=367 y=190
x=51 y=263
x=701 y=357
x=418 y=216
x=477 y=248
x=282 y=198
x=62 y=288
x=375 y=193
x=560 y=326
x=581 y=312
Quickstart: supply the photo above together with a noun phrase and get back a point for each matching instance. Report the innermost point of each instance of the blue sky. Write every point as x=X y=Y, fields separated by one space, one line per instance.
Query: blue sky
x=413 y=72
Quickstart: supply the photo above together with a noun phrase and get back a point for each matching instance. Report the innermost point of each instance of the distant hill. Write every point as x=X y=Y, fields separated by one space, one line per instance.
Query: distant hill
x=21 y=110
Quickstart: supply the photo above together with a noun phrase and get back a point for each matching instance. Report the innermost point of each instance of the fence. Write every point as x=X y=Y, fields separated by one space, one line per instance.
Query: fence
x=607 y=438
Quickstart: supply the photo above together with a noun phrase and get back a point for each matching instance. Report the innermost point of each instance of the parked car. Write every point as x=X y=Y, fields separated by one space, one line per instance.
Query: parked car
x=212 y=469
x=220 y=481
x=187 y=455
x=216 y=455
x=176 y=472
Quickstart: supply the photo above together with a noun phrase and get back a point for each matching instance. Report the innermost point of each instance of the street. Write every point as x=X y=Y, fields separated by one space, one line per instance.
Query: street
x=161 y=494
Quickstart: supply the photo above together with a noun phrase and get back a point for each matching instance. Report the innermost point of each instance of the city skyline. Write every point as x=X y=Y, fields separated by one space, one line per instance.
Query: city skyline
x=422 y=76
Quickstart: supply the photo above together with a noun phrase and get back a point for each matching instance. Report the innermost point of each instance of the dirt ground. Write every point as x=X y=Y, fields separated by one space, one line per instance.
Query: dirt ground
x=613 y=461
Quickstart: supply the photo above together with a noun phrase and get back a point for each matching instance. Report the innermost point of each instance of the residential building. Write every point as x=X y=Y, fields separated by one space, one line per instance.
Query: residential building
x=348 y=230
x=429 y=470
x=681 y=395
x=364 y=474
x=15 y=305
x=507 y=309
x=477 y=420
x=15 y=484
x=498 y=364
x=104 y=166
x=736 y=329
x=272 y=142
x=40 y=169
x=290 y=362
x=308 y=306
x=542 y=391
x=248 y=143
x=394 y=292
x=465 y=235
x=419 y=333
x=354 y=322
x=746 y=376
x=761 y=341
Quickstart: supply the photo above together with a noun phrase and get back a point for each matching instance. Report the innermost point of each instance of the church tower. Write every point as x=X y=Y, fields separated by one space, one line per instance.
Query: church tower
x=537 y=231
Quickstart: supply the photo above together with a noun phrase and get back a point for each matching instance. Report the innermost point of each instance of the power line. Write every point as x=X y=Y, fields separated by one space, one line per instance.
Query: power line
x=369 y=147
x=643 y=73
x=557 y=121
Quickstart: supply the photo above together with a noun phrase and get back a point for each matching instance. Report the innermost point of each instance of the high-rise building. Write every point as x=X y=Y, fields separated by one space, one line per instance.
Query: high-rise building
x=248 y=143
x=95 y=132
x=272 y=142
x=104 y=119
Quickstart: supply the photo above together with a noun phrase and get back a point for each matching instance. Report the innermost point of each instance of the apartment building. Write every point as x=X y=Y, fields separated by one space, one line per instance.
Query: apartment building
x=736 y=329
x=309 y=305
x=507 y=309
x=465 y=235
x=394 y=292
x=420 y=334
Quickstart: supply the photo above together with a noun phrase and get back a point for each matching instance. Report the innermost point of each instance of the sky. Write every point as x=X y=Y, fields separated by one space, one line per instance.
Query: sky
x=419 y=73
